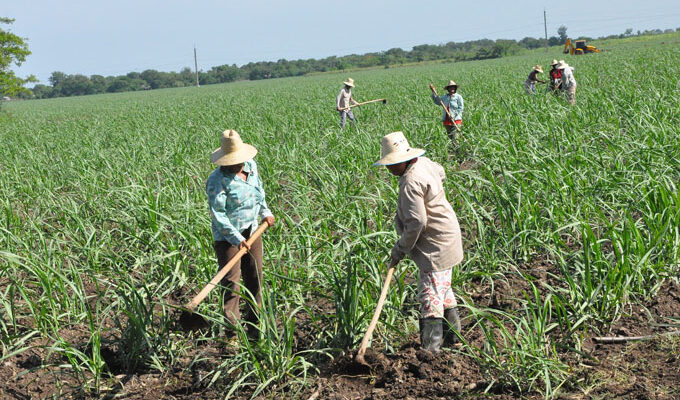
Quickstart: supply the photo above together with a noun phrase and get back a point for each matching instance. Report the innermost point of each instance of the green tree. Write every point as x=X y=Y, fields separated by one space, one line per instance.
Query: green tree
x=562 y=31
x=13 y=51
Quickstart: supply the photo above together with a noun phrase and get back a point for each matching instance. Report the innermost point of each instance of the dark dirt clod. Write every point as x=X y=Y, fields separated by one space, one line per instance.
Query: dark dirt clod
x=189 y=321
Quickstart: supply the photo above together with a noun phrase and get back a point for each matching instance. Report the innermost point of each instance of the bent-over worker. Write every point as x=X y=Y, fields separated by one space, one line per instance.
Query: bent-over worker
x=237 y=203
x=344 y=101
x=555 y=77
x=530 y=83
x=568 y=81
x=428 y=233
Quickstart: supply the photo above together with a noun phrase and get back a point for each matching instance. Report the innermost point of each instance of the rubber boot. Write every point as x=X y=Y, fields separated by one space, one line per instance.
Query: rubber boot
x=452 y=325
x=431 y=334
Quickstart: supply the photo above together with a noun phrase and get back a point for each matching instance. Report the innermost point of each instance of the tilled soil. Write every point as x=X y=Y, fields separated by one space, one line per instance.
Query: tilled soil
x=633 y=370
x=409 y=373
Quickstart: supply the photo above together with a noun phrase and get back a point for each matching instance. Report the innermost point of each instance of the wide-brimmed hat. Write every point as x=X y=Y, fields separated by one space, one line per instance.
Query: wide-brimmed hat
x=395 y=149
x=562 y=65
x=554 y=62
x=349 y=82
x=538 y=68
x=232 y=150
x=451 y=83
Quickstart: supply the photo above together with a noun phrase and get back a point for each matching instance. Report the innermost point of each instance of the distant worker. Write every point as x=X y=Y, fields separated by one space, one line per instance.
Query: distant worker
x=568 y=81
x=237 y=203
x=429 y=234
x=555 y=77
x=530 y=83
x=452 y=115
x=344 y=101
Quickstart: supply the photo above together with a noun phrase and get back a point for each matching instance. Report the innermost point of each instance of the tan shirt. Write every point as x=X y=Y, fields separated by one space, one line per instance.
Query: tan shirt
x=425 y=220
x=344 y=99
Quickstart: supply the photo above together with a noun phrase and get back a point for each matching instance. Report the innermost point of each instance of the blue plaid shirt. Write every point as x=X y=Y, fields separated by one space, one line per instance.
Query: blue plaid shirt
x=235 y=204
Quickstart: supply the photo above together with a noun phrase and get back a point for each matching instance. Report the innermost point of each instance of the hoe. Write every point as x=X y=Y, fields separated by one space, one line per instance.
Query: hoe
x=384 y=101
x=188 y=320
x=359 y=359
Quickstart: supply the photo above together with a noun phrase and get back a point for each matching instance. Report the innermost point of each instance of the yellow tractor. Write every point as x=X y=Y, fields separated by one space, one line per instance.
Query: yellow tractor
x=579 y=47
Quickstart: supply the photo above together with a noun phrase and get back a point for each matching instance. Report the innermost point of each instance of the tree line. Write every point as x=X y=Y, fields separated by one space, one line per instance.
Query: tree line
x=62 y=85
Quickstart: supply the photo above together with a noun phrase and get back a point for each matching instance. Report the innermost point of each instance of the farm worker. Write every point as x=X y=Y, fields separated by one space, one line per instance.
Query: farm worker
x=530 y=83
x=429 y=234
x=555 y=76
x=568 y=81
x=344 y=101
x=237 y=202
x=454 y=104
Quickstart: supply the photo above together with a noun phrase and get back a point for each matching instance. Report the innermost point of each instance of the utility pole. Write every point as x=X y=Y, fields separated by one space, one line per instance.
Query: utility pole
x=545 y=25
x=196 y=66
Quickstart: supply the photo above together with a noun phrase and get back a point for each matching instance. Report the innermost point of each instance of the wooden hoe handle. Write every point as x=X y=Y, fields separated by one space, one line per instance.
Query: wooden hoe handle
x=376 y=314
x=362 y=103
x=191 y=306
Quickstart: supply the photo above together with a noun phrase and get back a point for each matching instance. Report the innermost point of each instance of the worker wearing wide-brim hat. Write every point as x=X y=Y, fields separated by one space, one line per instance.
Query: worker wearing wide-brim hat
x=237 y=204
x=568 y=81
x=555 y=76
x=428 y=233
x=343 y=102
x=530 y=83
x=453 y=102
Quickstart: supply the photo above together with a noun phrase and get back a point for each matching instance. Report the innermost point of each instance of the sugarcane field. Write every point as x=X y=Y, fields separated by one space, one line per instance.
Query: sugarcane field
x=431 y=230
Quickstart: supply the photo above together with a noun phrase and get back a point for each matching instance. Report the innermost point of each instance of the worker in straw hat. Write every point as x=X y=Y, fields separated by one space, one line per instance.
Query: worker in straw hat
x=237 y=203
x=555 y=77
x=530 y=83
x=428 y=233
x=452 y=117
x=568 y=81
x=344 y=101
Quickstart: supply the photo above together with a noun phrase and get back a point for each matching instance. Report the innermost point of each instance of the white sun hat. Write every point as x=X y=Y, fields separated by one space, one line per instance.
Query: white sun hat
x=395 y=150
x=232 y=150
x=349 y=82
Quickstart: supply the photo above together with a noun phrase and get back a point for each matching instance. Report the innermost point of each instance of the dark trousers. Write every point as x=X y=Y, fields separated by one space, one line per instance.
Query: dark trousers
x=250 y=267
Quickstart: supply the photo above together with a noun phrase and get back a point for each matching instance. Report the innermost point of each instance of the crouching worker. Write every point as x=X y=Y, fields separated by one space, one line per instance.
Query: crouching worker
x=429 y=234
x=237 y=204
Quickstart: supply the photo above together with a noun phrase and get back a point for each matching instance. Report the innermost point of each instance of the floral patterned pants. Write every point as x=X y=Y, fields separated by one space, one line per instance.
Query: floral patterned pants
x=434 y=293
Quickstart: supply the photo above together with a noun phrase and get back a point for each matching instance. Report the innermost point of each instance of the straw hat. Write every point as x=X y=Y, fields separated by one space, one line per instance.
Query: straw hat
x=451 y=83
x=539 y=69
x=349 y=82
x=232 y=150
x=554 y=62
x=562 y=65
x=395 y=150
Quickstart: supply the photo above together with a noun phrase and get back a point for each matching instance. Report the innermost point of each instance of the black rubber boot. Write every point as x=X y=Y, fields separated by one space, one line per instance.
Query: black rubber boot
x=452 y=325
x=431 y=334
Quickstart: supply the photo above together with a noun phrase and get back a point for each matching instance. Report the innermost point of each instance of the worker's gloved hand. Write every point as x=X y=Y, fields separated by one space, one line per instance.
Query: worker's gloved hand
x=396 y=255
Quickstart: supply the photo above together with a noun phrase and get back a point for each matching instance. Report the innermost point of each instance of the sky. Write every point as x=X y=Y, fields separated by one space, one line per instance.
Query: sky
x=117 y=37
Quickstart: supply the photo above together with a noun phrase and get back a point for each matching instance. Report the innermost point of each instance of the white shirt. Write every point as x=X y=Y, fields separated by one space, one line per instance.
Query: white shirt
x=568 y=77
